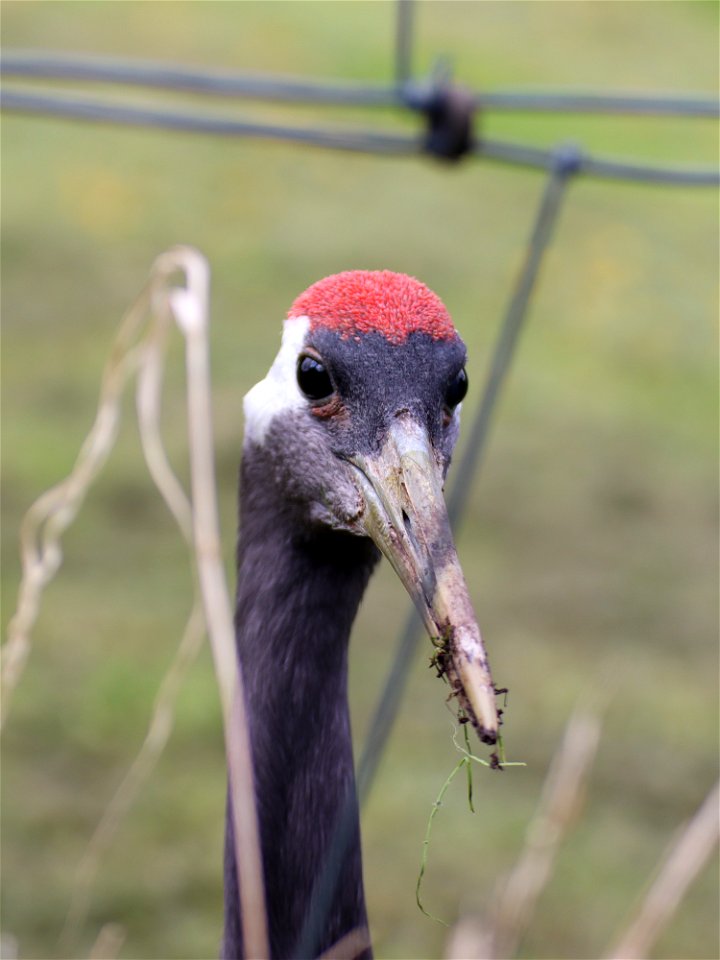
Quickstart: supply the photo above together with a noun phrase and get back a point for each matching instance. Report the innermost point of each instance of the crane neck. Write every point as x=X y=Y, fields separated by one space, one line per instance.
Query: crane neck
x=298 y=592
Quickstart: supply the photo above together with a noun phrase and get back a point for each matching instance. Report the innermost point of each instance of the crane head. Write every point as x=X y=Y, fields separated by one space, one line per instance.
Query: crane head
x=358 y=417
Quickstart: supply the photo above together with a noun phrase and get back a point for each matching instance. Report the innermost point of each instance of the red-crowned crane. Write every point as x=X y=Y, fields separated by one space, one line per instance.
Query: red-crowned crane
x=347 y=443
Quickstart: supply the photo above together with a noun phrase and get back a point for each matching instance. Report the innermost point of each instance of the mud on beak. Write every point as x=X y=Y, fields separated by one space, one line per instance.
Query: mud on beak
x=406 y=516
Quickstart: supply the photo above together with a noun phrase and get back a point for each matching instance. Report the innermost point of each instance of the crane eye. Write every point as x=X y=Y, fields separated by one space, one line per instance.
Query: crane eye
x=456 y=389
x=313 y=379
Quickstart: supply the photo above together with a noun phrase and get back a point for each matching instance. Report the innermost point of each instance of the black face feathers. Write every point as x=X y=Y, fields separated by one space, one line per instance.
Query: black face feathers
x=374 y=380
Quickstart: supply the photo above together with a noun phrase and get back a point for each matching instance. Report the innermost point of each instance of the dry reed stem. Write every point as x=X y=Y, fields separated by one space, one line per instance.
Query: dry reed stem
x=559 y=806
x=560 y=802
x=48 y=518
x=138 y=773
x=109 y=942
x=470 y=937
x=151 y=362
x=9 y=947
x=189 y=307
x=148 y=402
x=682 y=862
x=52 y=513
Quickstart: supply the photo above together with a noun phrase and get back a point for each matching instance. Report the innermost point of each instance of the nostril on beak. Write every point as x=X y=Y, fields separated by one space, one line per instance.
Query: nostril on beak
x=408 y=526
x=427 y=575
x=410 y=532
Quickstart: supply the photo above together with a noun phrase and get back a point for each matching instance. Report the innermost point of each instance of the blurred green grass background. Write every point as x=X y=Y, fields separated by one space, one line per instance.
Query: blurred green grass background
x=590 y=542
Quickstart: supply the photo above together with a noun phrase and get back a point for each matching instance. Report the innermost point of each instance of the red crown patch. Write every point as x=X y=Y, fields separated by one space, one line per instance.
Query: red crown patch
x=374 y=301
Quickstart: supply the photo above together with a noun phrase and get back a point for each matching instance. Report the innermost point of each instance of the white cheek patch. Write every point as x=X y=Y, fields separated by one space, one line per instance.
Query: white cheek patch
x=453 y=428
x=278 y=393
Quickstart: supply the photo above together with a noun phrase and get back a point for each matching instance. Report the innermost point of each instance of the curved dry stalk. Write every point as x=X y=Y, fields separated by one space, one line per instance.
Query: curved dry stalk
x=148 y=397
x=151 y=357
x=52 y=513
x=150 y=364
x=683 y=860
x=138 y=773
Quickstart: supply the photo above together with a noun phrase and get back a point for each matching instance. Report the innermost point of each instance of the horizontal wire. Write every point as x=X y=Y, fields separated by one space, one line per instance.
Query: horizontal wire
x=659 y=105
x=360 y=141
x=597 y=167
x=32 y=65
x=98 y=112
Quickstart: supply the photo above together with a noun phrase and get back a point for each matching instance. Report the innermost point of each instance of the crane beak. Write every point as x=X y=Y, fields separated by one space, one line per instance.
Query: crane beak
x=405 y=515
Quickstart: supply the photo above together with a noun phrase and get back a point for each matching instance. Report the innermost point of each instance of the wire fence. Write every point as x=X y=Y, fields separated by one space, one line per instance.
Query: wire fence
x=447 y=116
x=443 y=105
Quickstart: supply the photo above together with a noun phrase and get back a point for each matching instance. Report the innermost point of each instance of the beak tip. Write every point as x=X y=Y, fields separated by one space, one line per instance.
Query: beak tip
x=487 y=733
x=472 y=685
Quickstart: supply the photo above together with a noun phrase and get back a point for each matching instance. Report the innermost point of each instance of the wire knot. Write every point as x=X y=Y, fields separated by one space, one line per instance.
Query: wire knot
x=567 y=159
x=449 y=111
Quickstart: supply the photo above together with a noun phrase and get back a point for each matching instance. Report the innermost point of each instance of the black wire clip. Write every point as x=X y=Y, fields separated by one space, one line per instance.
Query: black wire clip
x=450 y=111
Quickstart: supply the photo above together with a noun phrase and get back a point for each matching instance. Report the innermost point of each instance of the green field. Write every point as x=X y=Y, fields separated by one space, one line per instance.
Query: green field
x=590 y=544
